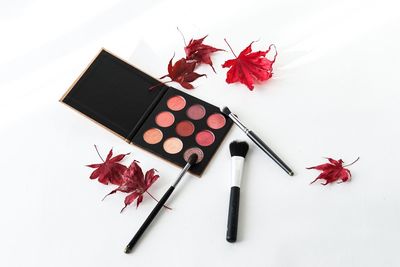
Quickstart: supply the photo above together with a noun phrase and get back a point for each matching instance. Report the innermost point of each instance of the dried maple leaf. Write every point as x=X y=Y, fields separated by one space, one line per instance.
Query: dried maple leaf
x=333 y=171
x=135 y=183
x=198 y=51
x=249 y=66
x=182 y=72
x=110 y=171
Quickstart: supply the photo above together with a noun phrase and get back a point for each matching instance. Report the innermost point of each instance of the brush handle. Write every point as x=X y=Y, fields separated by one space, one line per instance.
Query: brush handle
x=233 y=215
x=149 y=219
x=269 y=152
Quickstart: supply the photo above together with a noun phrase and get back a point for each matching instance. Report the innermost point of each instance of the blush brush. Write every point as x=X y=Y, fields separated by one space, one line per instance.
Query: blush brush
x=189 y=163
x=238 y=153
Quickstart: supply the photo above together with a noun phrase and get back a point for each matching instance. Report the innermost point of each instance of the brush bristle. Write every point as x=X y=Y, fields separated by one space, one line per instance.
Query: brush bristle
x=239 y=148
x=226 y=111
x=192 y=159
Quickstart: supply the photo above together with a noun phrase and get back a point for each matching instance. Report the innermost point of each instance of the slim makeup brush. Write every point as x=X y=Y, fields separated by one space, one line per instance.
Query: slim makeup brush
x=257 y=141
x=238 y=153
x=190 y=162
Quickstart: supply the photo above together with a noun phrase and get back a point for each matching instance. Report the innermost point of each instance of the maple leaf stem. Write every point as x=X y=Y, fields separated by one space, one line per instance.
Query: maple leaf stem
x=98 y=153
x=230 y=47
x=157 y=200
x=352 y=162
x=112 y=192
x=151 y=196
x=123 y=208
x=183 y=37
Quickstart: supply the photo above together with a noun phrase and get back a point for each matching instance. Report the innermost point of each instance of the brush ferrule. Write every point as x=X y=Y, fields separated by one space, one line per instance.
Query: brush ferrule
x=237 y=170
x=181 y=174
x=238 y=123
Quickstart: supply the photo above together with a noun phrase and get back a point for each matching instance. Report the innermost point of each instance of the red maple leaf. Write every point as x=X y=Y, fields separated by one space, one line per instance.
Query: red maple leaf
x=110 y=171
x=333 y=171
x=135 y=183
x=249 y=66
x=182 y=72
x=200 y=52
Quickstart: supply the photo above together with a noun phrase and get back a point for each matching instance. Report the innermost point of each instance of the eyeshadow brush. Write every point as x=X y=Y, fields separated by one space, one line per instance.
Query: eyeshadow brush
x=190 y=162
x=238 y=153
x=257 y=141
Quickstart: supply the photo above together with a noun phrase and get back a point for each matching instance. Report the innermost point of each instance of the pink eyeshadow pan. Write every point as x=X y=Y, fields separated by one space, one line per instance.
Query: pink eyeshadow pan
x=196 y=112
x=194 y=150
x=205 y=138
x=165 y=119
x=216 y=121
x=176 y=103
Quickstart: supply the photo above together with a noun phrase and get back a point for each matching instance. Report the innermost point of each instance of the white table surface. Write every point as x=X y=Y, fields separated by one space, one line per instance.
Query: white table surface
x=335 y=92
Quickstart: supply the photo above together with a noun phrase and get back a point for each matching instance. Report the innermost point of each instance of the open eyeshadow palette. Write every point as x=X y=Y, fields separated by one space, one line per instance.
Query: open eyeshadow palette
x=156 y=117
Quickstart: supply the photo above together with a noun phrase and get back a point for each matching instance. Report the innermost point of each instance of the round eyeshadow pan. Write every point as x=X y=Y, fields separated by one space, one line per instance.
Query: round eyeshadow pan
x=176 y=103
x=185 y=128
x=173 y=145
x=194 y=150
x=165 y=119
x=196 y=112
x=205 y=138
x=153 y=136
x=216 y=121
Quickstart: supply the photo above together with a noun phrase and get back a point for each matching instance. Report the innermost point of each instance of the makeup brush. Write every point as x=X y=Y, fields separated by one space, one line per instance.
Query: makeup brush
x=238 y=153
x=257 y=140
x=190 y=162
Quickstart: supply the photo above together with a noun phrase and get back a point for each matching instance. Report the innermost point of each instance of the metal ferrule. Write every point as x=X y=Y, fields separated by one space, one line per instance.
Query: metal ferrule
x=184 y=170
x=238 y=123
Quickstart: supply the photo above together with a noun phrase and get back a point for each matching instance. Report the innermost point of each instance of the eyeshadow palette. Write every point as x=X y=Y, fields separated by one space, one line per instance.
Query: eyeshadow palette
x=161 y=119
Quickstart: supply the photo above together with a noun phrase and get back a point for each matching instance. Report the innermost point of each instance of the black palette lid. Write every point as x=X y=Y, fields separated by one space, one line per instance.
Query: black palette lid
x=113 y=93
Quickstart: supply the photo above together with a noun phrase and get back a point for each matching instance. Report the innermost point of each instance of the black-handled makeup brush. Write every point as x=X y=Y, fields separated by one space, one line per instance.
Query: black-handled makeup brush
x=257 y=140
x=238 y=153
x=191 y=161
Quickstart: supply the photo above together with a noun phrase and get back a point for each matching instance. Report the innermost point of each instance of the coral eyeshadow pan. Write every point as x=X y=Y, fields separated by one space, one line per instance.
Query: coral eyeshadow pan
x=152 y=136
x=216 y=121
x=165 y=119
x=176 y=103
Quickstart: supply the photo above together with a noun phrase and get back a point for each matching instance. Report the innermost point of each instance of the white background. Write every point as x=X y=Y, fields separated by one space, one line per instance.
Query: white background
x=335 y=92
